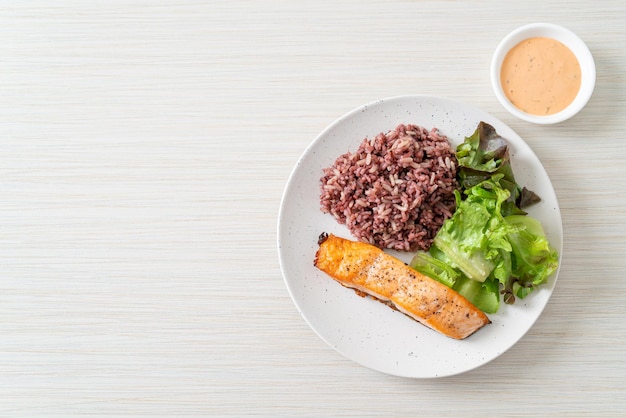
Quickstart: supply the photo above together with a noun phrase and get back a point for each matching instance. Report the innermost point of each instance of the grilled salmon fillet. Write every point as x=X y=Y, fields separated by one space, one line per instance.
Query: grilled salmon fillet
x=369 y=270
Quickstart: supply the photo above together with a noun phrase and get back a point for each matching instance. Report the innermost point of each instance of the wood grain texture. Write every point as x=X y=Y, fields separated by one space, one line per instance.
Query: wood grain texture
x=144 y=148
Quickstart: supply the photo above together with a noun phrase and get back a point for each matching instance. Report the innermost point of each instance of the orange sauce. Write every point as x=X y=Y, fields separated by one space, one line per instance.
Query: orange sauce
x=540 y=76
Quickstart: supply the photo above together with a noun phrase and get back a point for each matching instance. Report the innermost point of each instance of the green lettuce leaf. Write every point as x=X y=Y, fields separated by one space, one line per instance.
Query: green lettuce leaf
x=434 y=268
x=473 y=237
x=534 y=260
x=484 y=296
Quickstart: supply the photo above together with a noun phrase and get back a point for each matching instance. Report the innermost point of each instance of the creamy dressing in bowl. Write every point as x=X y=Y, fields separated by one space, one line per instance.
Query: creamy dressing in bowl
x=540 y=76
x=543 y=73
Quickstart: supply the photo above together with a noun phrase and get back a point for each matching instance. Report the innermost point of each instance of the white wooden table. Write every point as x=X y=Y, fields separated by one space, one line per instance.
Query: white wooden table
x=144 y=148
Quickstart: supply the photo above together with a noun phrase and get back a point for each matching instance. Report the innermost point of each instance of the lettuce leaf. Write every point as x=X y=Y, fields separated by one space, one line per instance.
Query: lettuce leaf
x=534 y=260
x=484 y=296
x=485 y=153
x=434 y=268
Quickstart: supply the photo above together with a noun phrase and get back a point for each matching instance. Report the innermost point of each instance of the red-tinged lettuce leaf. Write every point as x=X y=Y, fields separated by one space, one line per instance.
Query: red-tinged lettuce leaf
x=484 y=154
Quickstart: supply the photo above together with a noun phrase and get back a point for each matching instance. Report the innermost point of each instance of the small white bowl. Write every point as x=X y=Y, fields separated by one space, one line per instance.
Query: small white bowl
x=567 y=38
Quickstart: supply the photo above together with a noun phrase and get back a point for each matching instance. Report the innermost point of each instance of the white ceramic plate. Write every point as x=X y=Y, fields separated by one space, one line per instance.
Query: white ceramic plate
x=367 y=331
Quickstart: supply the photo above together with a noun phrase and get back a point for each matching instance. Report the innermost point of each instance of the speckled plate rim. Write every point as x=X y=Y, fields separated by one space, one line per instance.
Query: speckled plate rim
x=366 y=331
